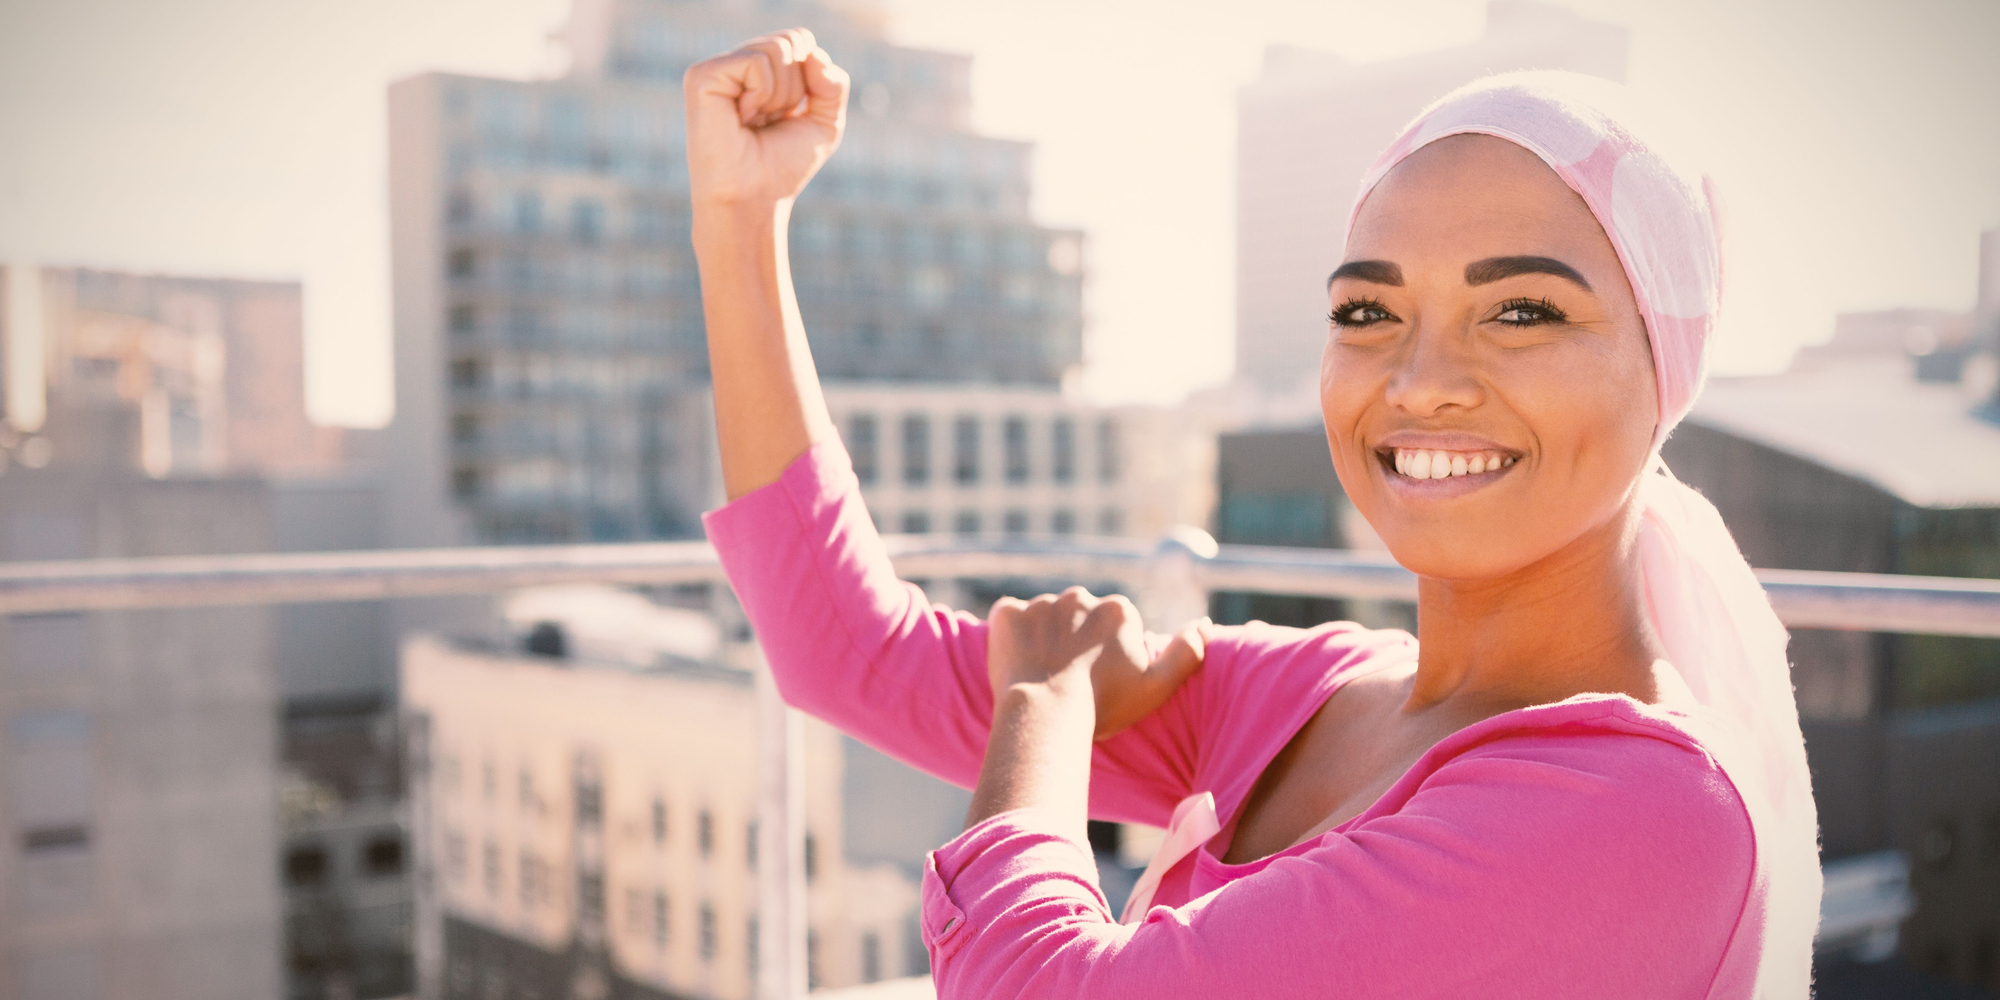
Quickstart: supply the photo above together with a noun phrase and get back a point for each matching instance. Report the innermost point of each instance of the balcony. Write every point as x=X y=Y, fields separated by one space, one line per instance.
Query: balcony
x=1867 y=898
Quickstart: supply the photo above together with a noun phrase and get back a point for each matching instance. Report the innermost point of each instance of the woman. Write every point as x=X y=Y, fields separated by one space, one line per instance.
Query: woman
x=1586 y=781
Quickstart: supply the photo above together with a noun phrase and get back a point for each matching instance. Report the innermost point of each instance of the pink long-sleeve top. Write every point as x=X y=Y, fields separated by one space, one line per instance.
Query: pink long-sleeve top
x=1588 y=848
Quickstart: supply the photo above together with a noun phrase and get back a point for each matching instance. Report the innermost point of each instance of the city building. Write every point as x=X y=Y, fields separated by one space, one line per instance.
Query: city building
x=987 y=461
x=581 y=819
x=137 y=748
x=1276 y=486
x=1853 y=463
x=550 y=360
x=1311 y=124
x=345 y=862
x=214 y=366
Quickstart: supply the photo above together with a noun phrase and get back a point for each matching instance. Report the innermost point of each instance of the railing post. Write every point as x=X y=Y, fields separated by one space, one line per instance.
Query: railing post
x=1173 y=593
x=781 y=882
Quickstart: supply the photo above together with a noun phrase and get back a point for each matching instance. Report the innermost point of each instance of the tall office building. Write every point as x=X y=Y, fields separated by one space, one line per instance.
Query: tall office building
x=1307 y=129
x=550 y=363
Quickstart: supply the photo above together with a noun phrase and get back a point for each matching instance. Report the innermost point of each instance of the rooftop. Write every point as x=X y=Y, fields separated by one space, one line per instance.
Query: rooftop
x=1922 y=442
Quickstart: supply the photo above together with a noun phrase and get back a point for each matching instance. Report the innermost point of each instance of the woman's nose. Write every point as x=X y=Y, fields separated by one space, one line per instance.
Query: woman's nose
x=1436 y=370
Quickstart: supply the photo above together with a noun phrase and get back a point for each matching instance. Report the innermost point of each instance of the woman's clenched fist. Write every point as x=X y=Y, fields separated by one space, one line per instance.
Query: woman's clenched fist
x=762 y=119
x=1074 y=643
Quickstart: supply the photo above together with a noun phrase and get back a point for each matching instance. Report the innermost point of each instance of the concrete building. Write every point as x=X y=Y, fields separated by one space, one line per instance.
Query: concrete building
x=1855 y=464
x=348 y=926
x=138 y=748
x=1311 y=124
x=550 y=355
x=1276 y=486
x=990 y=462
x=578 y=819
x=214 y=366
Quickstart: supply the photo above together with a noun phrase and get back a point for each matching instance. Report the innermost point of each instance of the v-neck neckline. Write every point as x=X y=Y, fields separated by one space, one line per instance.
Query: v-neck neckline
x=1227 y=834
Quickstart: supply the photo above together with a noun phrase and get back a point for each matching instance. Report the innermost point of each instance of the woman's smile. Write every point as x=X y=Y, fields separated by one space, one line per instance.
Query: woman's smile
x=1421 y=466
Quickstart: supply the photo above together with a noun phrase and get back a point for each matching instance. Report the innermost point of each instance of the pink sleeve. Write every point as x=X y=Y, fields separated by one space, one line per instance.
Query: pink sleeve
x=852 y=644
x=1547 y=867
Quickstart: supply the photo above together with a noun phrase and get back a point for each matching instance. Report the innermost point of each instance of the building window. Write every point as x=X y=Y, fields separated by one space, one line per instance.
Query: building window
x=750 y=949
x=812 y=858
x=530 y=881
x=864 y=448
x=490 y=865
x=463 y=319
x=454 y=856
x=965 y=450
x=1108 y=457
x=659 y=920
x=305 y=865
x=649 y=224
x=466 y=373
x=383 y=856
x=750 y=846
x=527 y=790
x=1110 y=522
x=586 y=221
x=966 y=524
x=589 y=896
x=704 y=833
x=916 y=522
x=871 y=957
x=917 y=449
x=1016 y=523
x=659 y=821
x=463 y=263
x=813 y=977
x=1062 y=450
x=1063 y=522
x=528 y=212
x=707 y=932
x=1015 y=436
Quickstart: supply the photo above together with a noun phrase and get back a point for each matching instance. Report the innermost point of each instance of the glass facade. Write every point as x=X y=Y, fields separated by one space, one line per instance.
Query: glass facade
x=575 y=347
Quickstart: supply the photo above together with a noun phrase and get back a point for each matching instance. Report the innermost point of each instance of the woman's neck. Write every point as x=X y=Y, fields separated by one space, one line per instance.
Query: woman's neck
x=1573 y=622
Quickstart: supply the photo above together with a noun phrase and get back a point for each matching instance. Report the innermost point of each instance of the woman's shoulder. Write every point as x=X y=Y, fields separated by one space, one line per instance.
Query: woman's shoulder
x=1647 y=772
x=1321 y=651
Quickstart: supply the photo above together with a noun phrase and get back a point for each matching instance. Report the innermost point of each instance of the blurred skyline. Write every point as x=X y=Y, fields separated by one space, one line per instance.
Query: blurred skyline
x=224 y=137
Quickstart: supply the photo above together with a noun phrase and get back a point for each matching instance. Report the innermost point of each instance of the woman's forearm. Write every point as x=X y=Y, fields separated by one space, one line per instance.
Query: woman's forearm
x=768 y=406
x=1039 y=754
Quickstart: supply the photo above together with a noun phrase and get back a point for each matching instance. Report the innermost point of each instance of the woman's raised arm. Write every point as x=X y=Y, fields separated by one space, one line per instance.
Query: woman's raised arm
x=846 y=640
x=761 y=120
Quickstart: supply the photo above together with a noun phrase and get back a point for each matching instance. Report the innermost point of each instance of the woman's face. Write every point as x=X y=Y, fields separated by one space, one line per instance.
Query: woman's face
x=1487 y=383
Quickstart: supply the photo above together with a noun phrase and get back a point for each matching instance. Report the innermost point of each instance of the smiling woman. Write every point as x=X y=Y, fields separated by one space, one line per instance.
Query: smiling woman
x=1586 y=781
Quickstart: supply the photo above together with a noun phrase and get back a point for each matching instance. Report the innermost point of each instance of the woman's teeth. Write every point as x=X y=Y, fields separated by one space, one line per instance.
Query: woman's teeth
x=1419 y=463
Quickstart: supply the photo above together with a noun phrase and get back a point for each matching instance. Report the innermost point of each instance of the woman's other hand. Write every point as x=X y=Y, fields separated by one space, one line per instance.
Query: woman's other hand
x=1073 y=641
x=762 y=119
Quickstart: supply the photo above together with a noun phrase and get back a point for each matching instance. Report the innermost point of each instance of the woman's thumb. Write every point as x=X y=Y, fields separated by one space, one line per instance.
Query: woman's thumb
x=1183 y=656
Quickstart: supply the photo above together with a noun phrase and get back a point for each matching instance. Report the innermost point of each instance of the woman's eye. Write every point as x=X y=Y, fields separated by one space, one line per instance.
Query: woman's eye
x=1353 y=314
x=1529 y=314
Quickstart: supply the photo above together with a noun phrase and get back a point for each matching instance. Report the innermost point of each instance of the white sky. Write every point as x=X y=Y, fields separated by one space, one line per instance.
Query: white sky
x=1855 y=143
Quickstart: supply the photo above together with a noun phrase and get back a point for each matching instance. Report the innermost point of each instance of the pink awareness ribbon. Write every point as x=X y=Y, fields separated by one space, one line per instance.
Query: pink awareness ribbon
x=1193 y=824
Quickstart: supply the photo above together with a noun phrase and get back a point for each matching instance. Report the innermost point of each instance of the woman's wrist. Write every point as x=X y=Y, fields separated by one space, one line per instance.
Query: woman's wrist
x=1038 y=752
x=720 y=225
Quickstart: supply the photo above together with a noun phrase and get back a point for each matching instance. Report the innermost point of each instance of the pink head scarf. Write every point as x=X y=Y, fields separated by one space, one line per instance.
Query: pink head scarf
x=1718 y=628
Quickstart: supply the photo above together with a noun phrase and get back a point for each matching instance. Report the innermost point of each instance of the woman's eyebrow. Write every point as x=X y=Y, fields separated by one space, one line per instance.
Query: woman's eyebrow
x=1380 y=272
x=1481 y=272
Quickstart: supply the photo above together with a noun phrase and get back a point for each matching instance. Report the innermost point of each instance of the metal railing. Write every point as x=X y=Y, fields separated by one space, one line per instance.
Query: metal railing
x=1171 y=580
x=1868 y=602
